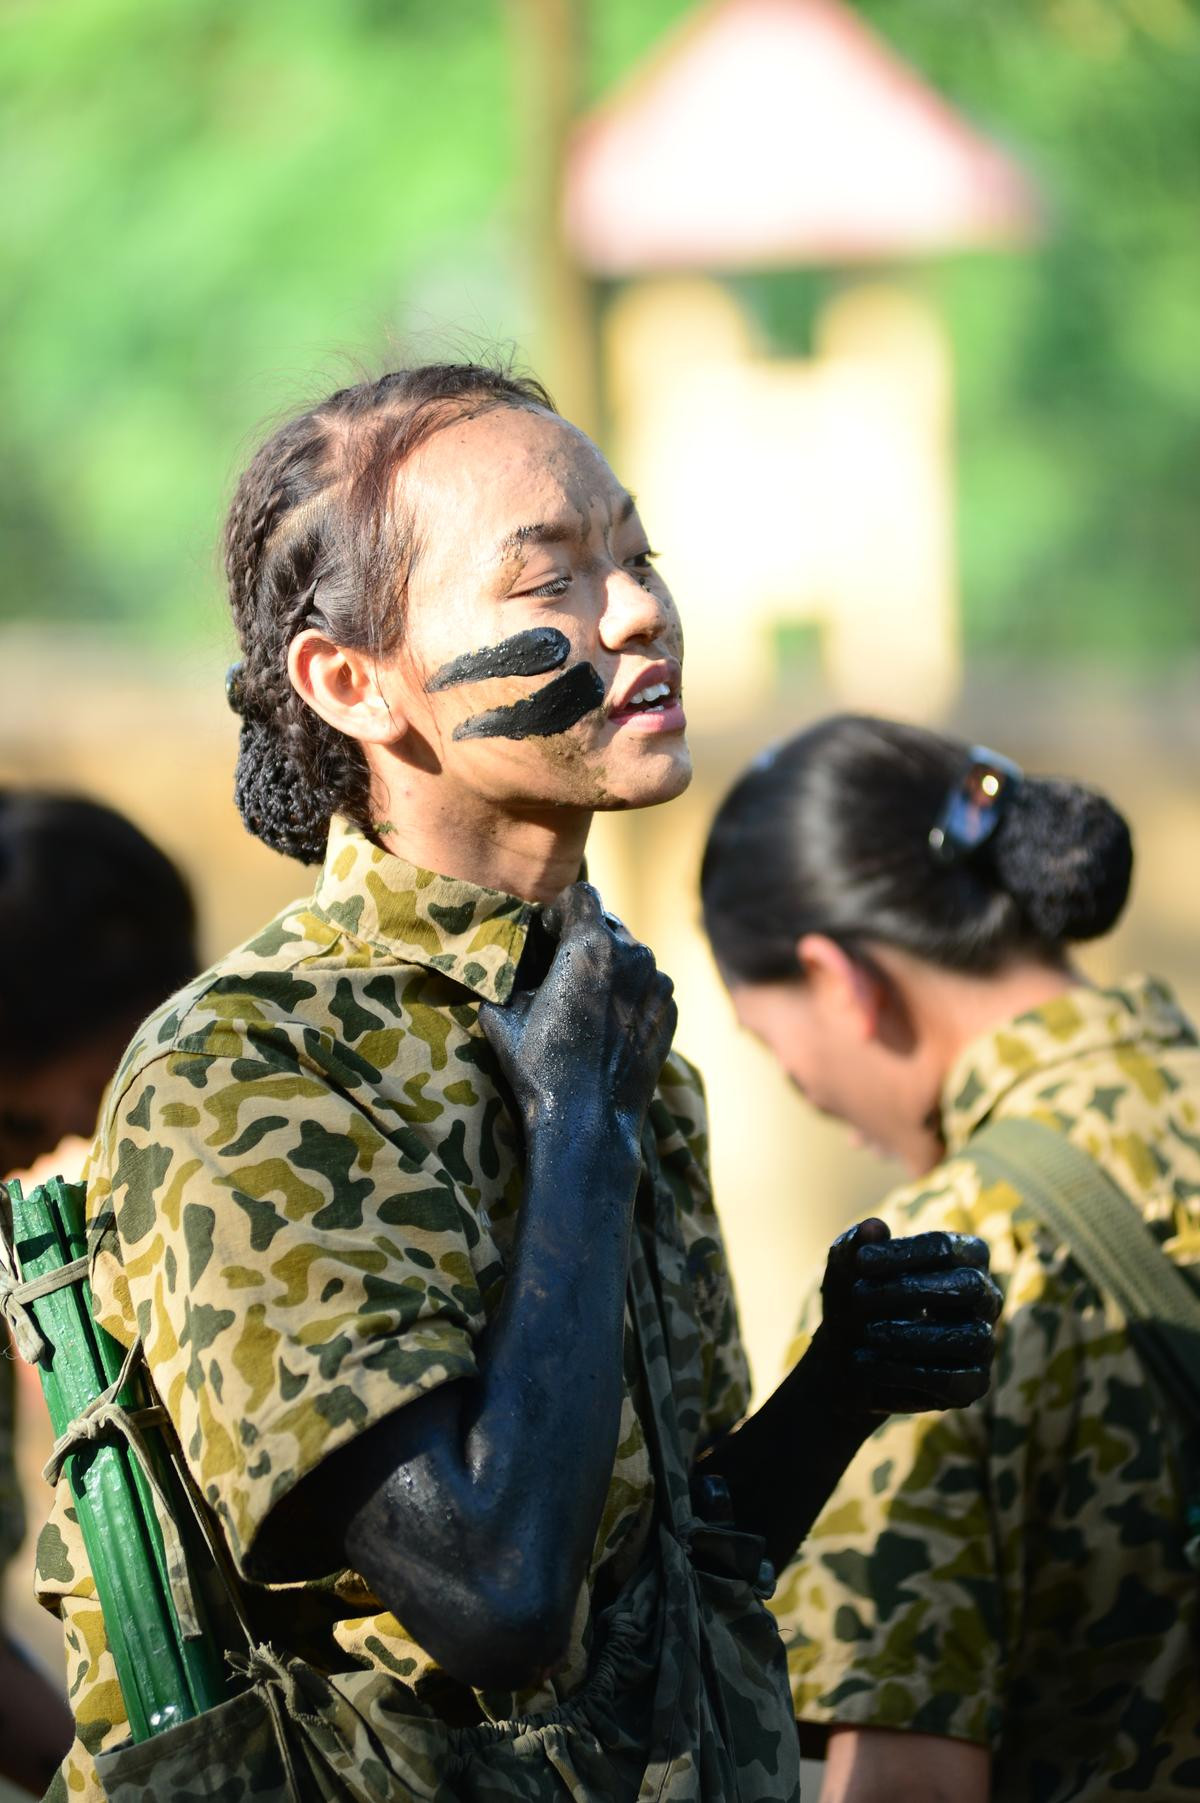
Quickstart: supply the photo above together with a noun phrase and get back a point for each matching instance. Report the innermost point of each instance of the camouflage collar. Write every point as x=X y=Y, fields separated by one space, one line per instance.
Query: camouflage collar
x=476 y=936
x=1142 y=1011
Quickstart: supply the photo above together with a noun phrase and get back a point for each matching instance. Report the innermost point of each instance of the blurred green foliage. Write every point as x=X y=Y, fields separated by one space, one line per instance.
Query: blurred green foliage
x=212 y=210
x=1079 y=365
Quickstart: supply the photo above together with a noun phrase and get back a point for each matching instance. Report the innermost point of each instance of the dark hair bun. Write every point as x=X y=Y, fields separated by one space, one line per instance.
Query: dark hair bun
x=1065 y=856
x=274 y=799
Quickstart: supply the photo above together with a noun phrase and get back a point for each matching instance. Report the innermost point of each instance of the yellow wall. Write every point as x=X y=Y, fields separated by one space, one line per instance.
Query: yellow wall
x=804 y=490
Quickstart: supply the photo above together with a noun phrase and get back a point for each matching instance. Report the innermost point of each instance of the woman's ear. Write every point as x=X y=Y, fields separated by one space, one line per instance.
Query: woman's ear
x=343 y=687
x=841 y=988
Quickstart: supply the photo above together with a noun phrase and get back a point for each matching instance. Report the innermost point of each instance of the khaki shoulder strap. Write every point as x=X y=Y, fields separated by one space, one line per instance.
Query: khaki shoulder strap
x=1110 y=1241
x=1070 y=1193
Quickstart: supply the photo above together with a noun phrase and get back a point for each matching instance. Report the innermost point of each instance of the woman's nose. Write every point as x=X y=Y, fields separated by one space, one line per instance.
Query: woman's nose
x=631 y=611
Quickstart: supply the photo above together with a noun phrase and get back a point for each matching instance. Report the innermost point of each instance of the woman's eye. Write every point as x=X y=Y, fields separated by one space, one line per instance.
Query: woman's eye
x=557 y=585
x=641 y=563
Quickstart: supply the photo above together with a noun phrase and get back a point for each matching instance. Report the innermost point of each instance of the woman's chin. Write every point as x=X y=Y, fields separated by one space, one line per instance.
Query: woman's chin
x=647 y=782
x=590 y=791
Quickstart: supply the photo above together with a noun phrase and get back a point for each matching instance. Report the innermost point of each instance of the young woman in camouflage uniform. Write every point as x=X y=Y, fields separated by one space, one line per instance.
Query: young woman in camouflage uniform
x=997 y=1602
x=365 y=1190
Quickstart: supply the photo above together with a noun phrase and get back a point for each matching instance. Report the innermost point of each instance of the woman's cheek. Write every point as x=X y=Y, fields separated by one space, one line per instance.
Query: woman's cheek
x=555 y=771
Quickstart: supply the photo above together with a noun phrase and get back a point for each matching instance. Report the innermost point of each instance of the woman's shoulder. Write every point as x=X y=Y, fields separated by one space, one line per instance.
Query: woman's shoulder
x=1129 y=1099
x=253 y=983
x=301 y=992
x=964 y=1194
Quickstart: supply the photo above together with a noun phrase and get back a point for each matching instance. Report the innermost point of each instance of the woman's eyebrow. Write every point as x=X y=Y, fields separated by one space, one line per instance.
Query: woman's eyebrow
x=556 y=532
x=545 y=532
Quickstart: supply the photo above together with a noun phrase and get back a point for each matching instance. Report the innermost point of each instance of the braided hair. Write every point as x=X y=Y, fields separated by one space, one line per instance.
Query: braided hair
x=317 y=537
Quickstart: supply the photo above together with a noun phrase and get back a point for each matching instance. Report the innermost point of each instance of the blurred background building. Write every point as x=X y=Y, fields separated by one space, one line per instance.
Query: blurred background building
x=887 y=312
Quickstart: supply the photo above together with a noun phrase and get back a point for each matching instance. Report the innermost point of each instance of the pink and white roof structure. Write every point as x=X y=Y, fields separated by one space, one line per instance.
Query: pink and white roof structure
x=768 y=133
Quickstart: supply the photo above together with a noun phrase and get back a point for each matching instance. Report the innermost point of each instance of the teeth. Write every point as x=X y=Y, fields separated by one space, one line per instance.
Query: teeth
x=657 y=691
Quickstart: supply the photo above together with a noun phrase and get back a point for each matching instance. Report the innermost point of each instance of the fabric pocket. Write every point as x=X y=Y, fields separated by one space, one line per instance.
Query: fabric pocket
x=230 y=1753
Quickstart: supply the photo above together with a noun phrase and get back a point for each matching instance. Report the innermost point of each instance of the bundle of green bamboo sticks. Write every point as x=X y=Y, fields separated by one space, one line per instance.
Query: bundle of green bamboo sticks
x=146 y=1554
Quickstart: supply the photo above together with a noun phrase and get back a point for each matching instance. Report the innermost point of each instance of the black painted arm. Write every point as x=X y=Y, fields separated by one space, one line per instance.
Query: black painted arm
x=477 y=1523
x=906 y=1325
x=472 y=1512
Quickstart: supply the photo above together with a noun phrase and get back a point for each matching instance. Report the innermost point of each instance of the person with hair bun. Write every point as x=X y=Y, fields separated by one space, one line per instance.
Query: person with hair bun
x=406 y=1202
x=998 y=1602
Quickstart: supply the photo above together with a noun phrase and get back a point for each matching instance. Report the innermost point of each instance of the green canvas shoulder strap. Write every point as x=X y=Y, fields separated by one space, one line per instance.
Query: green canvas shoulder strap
x=1067 y=1191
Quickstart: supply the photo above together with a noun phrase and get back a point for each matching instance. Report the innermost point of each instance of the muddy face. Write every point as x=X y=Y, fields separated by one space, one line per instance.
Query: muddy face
x=541 y=661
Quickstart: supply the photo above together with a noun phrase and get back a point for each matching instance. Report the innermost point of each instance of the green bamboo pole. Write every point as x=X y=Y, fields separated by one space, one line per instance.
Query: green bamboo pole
x=159 y=1683
x=202 y=1658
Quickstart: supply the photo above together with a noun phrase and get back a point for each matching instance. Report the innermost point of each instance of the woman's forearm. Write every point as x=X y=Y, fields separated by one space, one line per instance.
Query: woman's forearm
x=476 y=1519
x=542 y=1424
x=784 y=1463
x=888 y=1765
x=906 y=1325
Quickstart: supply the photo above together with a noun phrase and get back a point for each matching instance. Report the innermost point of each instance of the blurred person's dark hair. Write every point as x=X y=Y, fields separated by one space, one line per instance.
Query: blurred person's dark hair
x=97 y=926
x=830 y=833
x=318 y=535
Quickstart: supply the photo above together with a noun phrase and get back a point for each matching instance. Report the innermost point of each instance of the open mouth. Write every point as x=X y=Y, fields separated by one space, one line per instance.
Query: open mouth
x=654 y=698
x=654 y=705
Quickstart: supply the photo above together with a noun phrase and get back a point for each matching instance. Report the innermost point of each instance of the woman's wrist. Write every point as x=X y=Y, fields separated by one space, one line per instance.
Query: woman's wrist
x=595 y=1143
x=832 y=1392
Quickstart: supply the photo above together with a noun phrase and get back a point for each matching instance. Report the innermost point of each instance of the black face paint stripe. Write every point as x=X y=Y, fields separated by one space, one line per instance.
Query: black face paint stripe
x=529 y=653
x=578 y=691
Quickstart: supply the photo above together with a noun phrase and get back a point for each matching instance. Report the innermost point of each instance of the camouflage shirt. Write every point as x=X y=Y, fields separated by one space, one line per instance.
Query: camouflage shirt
x=1013 y=1574
x=303 y=1195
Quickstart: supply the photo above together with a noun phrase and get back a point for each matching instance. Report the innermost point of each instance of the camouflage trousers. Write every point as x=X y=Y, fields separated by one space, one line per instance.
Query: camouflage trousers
x=686 y=1701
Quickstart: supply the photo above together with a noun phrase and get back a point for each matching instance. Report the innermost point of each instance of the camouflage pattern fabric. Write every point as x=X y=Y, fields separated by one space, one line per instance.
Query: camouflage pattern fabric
x=302 y=1197
x=1013 y=1574
x=12 y=1512
x=686 y=1697
x=722 y=1725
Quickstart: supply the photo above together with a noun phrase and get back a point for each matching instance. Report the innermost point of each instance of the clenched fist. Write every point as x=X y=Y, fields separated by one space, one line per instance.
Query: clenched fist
x=907 y=1323
x=583 y=1051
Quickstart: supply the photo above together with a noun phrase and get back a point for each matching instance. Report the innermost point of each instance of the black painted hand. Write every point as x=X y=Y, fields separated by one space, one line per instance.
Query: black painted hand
x=907 y=1323
x=583 y=1052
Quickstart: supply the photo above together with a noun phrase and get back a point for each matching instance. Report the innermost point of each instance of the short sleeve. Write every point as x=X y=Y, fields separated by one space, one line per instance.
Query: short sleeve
x=893 y=1610
x=294 y=1274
